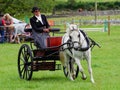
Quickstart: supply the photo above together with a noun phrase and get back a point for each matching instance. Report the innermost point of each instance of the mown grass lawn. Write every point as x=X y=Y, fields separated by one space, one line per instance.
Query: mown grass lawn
x=90 y=0
x=105 y=63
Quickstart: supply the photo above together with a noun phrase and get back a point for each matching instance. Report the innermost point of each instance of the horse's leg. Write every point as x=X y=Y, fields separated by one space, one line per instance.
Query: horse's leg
x=88 y=58
x=73 y=71
x=70 y=69
x=68 y=65
x=80 y=68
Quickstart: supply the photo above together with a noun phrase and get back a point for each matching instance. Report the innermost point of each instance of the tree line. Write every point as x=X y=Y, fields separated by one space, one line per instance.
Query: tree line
x=23 y=7
x=89 y=6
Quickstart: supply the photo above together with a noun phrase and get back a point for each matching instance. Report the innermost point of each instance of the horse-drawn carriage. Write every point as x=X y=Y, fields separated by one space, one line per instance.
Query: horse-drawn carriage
x=31 y=58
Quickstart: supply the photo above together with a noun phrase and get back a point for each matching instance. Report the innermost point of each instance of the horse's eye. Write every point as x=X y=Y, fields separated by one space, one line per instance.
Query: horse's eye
x=79 y=35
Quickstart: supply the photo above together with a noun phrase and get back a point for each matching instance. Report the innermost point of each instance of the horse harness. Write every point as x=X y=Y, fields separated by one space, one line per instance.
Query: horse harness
x=70 y=43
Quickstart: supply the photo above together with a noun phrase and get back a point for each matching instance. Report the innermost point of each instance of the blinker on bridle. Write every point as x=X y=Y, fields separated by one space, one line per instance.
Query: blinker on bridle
x=71 y=43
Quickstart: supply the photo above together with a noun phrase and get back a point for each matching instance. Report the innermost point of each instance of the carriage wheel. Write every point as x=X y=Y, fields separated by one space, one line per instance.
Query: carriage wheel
x=76 y=70
x=25 y=61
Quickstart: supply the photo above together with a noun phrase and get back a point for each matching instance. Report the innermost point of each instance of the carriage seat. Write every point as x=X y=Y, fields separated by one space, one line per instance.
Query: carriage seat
x=54 y=41
x=52 y=50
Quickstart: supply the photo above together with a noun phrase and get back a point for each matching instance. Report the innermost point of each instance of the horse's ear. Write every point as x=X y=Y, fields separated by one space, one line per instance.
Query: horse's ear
x=67 y=25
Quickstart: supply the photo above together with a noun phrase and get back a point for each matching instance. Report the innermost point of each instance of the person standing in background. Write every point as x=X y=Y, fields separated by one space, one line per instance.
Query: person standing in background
x=2 y=24
x=9 y=27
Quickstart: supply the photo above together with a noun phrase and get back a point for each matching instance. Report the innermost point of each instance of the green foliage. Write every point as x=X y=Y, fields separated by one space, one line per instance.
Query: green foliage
x=88 y=5
x=71 y=4
x=46 y=5
x=23 y=7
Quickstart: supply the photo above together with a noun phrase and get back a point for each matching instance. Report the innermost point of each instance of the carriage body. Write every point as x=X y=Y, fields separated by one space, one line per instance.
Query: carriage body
x=31 y=58
x=45 y=59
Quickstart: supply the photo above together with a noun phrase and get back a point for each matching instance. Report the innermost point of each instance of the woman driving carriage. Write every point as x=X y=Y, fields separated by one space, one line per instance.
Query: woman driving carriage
x=40 y=28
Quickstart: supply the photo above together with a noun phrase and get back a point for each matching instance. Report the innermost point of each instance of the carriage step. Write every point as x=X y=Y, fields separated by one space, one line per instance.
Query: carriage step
x=58 y=67
x=53 y=57
x=52 y=66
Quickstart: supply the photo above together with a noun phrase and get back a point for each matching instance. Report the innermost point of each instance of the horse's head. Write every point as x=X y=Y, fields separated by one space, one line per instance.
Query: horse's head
x=71 y=27
x=74 y=37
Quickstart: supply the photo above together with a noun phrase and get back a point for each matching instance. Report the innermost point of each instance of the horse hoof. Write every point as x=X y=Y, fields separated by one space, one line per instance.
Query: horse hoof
x=84 y=78
x=71 y=79
x=74 y=77
x=92 y=81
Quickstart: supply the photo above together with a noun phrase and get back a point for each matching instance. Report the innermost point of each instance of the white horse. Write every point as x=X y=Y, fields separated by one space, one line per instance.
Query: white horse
x=76 y=47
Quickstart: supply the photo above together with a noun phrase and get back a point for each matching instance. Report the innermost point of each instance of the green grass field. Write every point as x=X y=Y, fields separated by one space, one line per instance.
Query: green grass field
x=90 y=0
x=105 y=64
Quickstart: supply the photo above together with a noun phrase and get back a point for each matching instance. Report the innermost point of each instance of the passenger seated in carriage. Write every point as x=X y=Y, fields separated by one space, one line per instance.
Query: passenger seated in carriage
x=40 y=28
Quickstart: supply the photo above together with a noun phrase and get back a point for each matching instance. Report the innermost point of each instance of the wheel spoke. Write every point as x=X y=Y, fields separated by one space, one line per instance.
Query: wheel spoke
x=21 y=64
x=28 y=72
x=23 y=54
x=27 y=57
x=24 y=49
x=22 y=69
x=24 y=73
x=29 y=67
x=22 y=60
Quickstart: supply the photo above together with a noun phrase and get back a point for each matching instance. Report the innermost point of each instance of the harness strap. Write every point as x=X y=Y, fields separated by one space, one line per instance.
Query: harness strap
x=87 y=40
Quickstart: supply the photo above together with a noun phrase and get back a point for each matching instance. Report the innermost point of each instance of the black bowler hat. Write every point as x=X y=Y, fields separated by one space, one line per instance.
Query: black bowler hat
x=34 y=9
